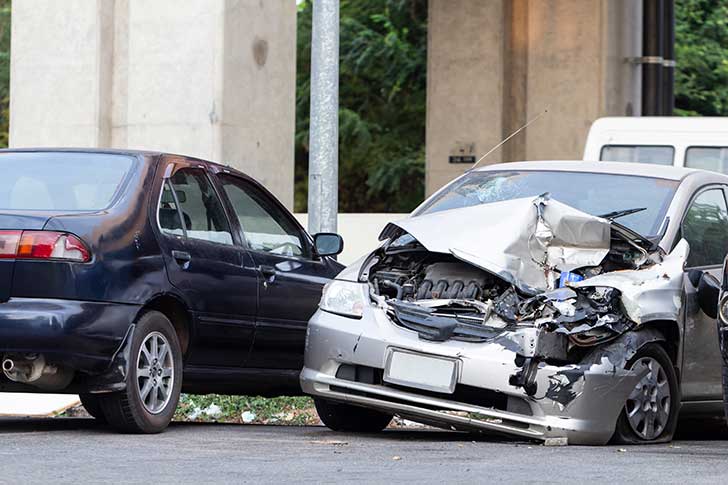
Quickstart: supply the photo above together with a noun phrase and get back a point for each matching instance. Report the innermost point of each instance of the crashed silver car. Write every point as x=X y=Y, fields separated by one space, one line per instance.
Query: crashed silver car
x=541 y=300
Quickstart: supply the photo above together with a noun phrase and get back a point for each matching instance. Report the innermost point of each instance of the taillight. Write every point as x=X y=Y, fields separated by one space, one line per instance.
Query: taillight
x=43 y=245
x=9 y=243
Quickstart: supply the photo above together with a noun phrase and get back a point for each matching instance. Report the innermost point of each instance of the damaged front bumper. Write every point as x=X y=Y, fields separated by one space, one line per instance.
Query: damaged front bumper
x=346 y=359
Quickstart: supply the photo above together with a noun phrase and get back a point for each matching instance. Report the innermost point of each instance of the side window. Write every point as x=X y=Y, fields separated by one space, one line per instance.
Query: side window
x=201 y=210
x=168 y=213
x=266 y=227
x=707 y=158
x=705 y=227
x=654 y=154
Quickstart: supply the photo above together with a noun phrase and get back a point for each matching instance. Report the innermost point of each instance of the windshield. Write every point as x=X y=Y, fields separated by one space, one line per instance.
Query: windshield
x=593 y=193
x=60 y=181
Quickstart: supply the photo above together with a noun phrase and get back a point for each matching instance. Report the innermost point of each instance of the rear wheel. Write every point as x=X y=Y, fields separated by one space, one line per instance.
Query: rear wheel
x=153 y=382
x=92 y=404
x=345 y=417
x=650 y=413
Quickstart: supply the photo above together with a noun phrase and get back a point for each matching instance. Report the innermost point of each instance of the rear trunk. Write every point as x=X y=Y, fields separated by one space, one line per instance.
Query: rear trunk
x=17 y=221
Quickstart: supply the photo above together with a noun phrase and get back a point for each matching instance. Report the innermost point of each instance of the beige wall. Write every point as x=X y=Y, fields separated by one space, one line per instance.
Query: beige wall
x=494 y=64
x=208 y=78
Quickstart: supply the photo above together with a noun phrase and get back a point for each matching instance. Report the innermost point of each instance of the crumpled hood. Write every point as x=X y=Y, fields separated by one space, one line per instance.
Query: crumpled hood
x=516 y=239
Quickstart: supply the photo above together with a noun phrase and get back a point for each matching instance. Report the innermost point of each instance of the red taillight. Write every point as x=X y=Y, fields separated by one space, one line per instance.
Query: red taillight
x=9 y=243
x=43 y=245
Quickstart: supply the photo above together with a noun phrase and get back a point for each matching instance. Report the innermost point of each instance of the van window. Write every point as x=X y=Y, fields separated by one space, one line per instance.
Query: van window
x=654 y=154
x=707 y=158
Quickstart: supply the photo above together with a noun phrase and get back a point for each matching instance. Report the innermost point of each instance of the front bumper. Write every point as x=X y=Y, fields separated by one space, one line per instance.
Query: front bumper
x=79 y=334
x=578 y=402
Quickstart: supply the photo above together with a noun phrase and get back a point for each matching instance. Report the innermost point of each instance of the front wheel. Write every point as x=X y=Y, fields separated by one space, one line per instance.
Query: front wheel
x=154 y=379
x=650 y=413
x=345 y=417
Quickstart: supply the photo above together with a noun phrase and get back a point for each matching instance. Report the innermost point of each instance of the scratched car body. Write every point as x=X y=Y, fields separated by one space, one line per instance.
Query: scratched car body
x=544 y=300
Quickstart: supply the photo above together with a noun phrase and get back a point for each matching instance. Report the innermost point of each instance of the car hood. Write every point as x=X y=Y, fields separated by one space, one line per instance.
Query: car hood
x=516 y=239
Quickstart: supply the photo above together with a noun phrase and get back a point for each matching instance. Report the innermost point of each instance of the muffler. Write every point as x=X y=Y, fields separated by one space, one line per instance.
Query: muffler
x=33 y=369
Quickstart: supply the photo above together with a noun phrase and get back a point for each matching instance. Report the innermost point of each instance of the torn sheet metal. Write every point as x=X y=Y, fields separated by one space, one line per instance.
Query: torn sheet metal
x=653 y=293
x=519 y=240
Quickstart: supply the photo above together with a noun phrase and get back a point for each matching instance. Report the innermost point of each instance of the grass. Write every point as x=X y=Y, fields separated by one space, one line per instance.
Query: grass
x=296 y=411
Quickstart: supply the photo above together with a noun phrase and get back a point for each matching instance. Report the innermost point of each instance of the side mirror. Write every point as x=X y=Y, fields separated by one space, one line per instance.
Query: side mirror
x=328 y=244
x=708 y=291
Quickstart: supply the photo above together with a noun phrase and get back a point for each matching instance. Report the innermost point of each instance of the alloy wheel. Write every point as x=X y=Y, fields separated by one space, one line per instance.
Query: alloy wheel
x=648 y=405
x=155 y=372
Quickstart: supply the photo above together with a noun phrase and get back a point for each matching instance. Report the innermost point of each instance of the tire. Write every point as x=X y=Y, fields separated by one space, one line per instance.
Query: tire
x=354 y=419
x=725 y=387
x=133 y=410
x=92 y=404
x=662 y=410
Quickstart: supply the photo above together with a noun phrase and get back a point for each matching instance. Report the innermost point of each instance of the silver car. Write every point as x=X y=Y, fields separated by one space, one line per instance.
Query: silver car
x=564 y=301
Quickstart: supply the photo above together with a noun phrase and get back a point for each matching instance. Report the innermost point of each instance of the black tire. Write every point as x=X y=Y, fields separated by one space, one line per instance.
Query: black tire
x=624 y=432
x=353 y=419
x=125 y=410
x=725 y=388
x=92 y=404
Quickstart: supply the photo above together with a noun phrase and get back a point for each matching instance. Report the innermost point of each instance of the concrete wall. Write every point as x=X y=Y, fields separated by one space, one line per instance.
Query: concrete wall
x=209 y=78
x=495 y=64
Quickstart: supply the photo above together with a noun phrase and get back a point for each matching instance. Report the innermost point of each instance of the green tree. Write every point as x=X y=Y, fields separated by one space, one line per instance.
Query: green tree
x=4 y=71
x=701 y=52
x=382 y=93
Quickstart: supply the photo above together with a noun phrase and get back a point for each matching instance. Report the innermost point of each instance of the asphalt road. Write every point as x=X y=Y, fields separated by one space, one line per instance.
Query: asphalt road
x=78 y=451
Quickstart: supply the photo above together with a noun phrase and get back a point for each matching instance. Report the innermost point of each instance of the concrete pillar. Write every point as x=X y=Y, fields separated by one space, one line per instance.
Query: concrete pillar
x=213 y=79
x=464 y=84
x=60 y=73
x=495 y=64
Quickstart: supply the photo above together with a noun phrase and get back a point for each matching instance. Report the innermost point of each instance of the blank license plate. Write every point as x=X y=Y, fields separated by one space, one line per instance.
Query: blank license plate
x=420 y=371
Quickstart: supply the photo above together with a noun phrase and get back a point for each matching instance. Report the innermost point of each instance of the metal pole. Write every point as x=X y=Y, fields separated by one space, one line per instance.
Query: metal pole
x=323 y=166
x=668 y=64
x=652 y=43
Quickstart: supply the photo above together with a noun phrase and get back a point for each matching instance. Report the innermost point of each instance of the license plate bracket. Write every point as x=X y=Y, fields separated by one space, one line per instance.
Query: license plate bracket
x=421 y=371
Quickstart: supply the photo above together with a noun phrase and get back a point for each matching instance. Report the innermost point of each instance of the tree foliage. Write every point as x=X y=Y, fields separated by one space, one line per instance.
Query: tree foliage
x=701 y=52
x=383 y=64
x=4 y=71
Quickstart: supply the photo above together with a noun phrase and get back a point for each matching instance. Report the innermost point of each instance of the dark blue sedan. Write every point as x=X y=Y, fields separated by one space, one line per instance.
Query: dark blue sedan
x=128 y=277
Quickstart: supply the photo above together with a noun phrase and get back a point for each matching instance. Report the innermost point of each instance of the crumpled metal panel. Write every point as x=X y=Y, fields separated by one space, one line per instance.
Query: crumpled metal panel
x=653 y=293
x=516 y=239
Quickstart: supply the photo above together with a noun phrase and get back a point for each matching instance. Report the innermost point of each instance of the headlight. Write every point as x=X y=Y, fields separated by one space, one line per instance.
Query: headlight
x=724 y=309
x=343 y=298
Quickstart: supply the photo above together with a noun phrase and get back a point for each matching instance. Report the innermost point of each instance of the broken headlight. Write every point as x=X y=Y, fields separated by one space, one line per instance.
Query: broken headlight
x=344 y=298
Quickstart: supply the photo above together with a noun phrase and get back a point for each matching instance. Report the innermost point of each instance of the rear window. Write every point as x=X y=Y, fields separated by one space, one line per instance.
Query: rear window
x=654 y=154
x=707 y=158
x=61 y=181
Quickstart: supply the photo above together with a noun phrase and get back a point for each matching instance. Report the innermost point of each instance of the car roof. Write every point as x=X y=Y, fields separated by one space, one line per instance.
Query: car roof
x=615 y=168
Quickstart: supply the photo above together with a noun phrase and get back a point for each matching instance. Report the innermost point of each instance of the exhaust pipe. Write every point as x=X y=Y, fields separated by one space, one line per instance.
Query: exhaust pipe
x=32 y=369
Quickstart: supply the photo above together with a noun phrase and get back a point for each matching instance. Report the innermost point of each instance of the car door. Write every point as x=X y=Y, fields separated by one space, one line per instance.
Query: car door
x=208 y=264
x=705 y=227
x=290 y=275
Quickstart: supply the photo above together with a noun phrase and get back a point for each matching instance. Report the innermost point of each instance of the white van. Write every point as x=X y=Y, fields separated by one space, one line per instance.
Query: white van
x=680 y=141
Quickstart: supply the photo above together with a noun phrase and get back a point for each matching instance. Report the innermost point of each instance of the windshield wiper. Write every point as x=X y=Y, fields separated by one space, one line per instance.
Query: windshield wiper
x=622 y=213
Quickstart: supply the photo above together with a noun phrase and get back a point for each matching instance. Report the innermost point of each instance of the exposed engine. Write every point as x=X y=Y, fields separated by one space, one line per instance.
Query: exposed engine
x=444 y=298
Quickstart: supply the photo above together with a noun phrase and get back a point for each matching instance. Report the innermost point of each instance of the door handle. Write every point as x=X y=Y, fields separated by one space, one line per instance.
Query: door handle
x=183 y=258
x=269 y=273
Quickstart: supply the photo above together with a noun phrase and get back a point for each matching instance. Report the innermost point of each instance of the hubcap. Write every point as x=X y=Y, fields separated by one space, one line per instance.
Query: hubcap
x=648 y=406
x=155 y=372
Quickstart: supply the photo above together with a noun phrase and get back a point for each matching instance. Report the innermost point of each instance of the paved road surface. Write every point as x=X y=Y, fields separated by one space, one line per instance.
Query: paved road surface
x=78 y=451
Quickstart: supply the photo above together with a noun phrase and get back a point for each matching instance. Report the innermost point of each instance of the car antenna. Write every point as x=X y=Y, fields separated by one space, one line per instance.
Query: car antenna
x=529 y=123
